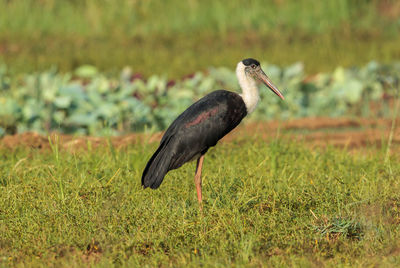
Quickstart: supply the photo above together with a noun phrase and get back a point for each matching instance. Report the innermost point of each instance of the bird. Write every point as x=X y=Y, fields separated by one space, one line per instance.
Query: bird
x=204 y=123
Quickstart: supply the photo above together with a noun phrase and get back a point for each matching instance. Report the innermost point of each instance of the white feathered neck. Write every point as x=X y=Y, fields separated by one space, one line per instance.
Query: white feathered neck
x=249 y=87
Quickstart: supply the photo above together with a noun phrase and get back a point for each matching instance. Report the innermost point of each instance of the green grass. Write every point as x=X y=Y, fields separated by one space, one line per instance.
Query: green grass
x=132 y=18
x=180 y=37
x=276 y=203
x=181 y=55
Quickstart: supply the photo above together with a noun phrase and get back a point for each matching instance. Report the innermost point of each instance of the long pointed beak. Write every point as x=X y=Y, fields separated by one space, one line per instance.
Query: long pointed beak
x=264 y=78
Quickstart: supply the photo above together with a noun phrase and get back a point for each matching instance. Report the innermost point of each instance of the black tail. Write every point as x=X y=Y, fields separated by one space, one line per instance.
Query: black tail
x=157 y=167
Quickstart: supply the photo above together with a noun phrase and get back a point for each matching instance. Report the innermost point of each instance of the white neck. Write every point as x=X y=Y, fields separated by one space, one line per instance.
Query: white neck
x=249 y=87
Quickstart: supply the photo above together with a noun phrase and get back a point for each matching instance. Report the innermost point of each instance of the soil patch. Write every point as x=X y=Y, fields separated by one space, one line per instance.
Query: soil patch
x=341 y=132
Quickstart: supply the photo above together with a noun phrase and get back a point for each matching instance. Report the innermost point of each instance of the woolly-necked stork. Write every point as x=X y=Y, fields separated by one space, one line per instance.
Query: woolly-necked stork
x=204 y=123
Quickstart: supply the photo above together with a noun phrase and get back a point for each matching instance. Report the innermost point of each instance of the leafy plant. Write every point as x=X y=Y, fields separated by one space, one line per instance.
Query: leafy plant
x=89 y=102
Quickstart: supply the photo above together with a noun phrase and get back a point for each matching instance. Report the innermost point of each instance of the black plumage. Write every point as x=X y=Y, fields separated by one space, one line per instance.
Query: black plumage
x=197 y=129
x=250 y=61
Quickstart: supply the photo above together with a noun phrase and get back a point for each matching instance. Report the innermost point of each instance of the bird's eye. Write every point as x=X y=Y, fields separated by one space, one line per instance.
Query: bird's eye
x=253 y=66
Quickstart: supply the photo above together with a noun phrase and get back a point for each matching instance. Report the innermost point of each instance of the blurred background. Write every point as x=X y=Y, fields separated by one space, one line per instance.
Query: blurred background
x=118 y=66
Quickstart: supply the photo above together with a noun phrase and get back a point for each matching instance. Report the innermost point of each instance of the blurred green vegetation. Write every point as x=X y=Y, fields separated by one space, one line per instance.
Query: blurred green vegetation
x=180 y=37
x=132 y=18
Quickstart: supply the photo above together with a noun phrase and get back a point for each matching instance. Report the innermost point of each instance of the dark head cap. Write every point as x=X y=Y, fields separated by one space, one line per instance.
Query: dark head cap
x=250 y=61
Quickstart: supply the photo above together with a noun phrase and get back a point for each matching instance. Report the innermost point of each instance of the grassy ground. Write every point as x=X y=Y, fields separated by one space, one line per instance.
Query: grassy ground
x=134 y=18
x=184 y=55
x=180 y=37
x=276 y=203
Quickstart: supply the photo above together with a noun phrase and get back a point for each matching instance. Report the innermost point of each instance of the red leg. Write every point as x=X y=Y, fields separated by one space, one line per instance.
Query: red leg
x=197 y=177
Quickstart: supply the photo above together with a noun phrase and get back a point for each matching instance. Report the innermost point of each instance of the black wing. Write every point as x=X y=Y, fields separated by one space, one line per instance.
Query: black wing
x=197 y=129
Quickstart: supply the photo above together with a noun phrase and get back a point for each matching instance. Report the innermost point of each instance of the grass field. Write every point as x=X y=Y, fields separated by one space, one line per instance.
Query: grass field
x=178 y=38
x=266 y=203
x=134 y=18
